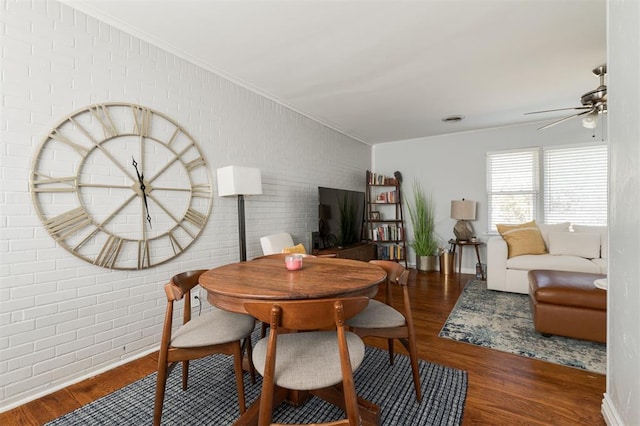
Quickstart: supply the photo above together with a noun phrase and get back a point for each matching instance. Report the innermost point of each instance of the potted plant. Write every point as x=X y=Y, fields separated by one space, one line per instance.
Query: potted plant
x=348 y=220
x=424 y=243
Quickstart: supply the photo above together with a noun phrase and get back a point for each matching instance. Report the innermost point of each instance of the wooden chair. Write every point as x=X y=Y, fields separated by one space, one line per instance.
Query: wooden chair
x=383 y=320
x=214 y=332
x=313 y=361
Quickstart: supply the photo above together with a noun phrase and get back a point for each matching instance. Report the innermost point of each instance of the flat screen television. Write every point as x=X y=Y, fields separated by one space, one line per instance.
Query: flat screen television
x=340 y=217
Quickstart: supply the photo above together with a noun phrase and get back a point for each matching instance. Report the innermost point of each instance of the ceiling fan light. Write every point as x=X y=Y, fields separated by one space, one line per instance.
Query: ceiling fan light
x=590 y=120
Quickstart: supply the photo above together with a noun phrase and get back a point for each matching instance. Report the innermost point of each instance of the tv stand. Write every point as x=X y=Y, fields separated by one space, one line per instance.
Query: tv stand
x=364 y=251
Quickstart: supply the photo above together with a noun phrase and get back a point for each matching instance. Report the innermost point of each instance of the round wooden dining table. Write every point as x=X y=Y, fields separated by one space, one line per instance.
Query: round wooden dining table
x=230 y=286
x=266 y=278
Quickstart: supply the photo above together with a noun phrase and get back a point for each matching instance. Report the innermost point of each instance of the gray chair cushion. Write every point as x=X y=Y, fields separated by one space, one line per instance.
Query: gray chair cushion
x=213 y=328
x=308 y=360
x=377 y=315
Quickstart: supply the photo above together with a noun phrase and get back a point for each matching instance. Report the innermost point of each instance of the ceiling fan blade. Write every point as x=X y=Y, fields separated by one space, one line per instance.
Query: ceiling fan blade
x=565 y=119
x=559 y=109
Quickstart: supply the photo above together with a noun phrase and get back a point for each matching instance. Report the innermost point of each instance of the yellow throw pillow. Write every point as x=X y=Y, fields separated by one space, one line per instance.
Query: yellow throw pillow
x=521 y=239
x=295 y=249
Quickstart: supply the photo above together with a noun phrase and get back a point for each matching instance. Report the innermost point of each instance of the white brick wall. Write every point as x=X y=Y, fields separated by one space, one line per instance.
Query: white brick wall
x=62 y=319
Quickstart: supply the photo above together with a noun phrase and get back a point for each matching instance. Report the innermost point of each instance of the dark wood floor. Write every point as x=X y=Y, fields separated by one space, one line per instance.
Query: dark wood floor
x=504 y=389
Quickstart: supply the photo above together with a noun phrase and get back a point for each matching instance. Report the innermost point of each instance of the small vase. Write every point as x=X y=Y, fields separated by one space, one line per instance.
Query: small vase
x=447 y=261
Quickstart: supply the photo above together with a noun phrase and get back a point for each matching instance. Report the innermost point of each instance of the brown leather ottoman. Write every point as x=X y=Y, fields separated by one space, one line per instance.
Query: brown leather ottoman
x=568 y=304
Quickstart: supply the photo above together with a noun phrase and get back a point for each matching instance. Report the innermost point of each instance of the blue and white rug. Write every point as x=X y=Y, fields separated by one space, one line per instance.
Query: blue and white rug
x=502 y=321
x=211 y=398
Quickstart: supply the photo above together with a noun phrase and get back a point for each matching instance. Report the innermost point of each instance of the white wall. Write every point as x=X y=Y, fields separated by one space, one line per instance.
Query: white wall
x=621 y=405
x=59 y=319
x=453 y=166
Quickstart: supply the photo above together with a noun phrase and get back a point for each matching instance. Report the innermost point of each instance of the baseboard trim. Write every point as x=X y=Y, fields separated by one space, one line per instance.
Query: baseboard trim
x=609 y=412
x=73 y=381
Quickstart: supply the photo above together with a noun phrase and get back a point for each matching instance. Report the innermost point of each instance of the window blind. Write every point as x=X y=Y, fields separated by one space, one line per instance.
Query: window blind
x=575 y=184
x=512 y=186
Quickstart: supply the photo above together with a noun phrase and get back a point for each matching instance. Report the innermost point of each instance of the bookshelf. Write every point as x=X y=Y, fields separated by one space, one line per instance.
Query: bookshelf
x=384 y=220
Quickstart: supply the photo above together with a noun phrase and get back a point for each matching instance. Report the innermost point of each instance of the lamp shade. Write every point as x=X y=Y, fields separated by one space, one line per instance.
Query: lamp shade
x=590 y=120
x=234 y=180
x=463 y=209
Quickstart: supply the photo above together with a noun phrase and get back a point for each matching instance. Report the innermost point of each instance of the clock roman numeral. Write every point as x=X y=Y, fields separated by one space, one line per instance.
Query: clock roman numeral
x=141 y=120
x=175 y=245
x=143 y=254
x=195 y=217
x=53 y=184
x=109 y=254
x=202 y=190
x=67 y=223
x=101 y=113
x=195 y=163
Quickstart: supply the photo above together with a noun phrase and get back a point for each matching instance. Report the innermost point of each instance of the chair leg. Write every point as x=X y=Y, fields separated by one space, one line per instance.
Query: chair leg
x=390 y=347
x=237 y=366
x=161 y=384
x=249 y=348
x=185 y=374
x=410 y=345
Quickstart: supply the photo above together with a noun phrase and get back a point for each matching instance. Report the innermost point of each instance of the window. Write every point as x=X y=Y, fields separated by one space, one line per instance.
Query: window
x=573 y=186
x=513 y=186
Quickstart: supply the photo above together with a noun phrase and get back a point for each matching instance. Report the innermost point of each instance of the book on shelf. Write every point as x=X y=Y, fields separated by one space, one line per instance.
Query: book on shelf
x=387 y=232
x=387 y=197
x=390 y=252
x=378 y=179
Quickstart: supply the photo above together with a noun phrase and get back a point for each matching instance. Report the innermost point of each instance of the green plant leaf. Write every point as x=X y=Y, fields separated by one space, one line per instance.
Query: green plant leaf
x=424 y=241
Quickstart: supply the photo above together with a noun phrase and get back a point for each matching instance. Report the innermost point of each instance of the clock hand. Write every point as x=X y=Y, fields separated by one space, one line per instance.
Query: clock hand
x=142 y=188
x=135 y=165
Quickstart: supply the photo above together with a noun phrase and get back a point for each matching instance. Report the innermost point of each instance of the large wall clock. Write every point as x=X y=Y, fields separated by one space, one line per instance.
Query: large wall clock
x=121 y=186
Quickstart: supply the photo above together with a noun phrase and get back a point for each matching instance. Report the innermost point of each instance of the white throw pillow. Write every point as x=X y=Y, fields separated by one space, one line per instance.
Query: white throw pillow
x=556 y=227
x=585 y=245
x=604 y=236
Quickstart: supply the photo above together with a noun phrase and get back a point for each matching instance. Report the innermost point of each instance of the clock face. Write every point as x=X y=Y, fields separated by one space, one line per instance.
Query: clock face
x=121 y=186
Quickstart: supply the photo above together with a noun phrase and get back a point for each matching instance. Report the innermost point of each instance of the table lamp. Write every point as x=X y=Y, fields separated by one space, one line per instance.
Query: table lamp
x=463 y=211
x=240 y=181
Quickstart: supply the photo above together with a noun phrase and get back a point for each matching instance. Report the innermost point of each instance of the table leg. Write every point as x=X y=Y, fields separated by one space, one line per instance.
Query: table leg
x=460 y=248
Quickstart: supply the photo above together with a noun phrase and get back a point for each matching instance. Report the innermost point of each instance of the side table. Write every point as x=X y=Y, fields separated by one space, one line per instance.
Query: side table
x=459 y=246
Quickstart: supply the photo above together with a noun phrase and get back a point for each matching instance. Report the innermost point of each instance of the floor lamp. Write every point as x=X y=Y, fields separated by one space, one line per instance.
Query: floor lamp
x=240 y=181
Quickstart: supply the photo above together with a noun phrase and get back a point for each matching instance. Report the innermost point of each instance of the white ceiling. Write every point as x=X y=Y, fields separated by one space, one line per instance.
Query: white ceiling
x=382 y=71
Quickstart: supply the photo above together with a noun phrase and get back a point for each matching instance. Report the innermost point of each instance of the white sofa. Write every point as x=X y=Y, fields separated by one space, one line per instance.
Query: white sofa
x=582 y=249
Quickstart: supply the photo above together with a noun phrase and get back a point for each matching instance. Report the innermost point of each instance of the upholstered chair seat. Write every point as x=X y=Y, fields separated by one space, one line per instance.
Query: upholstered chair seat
x=213 y=328
x=307 y=361
x=377 y=315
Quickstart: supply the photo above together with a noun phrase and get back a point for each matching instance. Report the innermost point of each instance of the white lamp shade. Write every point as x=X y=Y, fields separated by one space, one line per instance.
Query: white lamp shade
x=234 y=180
x=463 y=210
x=590 y=120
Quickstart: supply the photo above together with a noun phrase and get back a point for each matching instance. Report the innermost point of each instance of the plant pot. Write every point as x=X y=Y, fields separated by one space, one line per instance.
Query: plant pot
x=426 y=263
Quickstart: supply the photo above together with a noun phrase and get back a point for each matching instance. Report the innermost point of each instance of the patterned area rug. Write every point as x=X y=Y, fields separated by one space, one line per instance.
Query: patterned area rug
x=502 y=321
x=211 y=398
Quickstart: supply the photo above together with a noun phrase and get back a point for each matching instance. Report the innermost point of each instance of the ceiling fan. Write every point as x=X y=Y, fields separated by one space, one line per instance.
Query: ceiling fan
x=593 y=102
